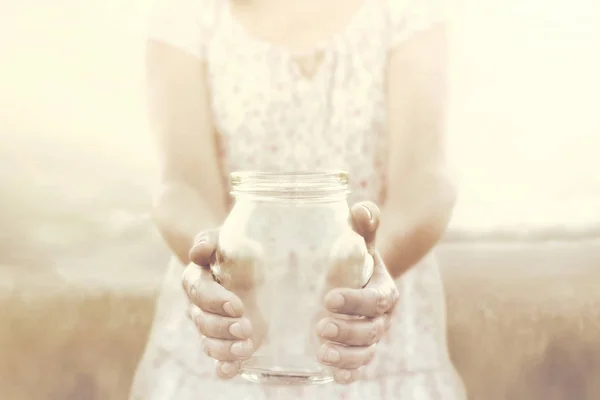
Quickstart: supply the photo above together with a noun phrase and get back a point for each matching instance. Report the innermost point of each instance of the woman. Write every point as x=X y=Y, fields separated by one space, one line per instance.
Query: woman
x=302 y=85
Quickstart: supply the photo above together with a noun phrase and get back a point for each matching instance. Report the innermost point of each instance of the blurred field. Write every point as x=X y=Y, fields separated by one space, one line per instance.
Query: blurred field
x=524 y=324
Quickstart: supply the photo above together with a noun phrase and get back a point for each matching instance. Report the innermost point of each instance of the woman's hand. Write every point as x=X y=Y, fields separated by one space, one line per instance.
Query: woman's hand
x=231 y=326
x=350 y=342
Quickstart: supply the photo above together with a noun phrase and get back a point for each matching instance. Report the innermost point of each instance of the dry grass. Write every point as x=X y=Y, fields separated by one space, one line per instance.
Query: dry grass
x=71 y=346
x=521 y=341
x=524 y=320
x=528 y=331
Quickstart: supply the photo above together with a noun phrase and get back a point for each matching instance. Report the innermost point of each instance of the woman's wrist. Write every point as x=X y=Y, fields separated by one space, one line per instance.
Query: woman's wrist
x=405 y=245
x=179 y=214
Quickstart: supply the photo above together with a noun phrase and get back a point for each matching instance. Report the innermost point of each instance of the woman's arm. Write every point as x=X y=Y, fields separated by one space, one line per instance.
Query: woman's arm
x=190 y=197
x=420 y=193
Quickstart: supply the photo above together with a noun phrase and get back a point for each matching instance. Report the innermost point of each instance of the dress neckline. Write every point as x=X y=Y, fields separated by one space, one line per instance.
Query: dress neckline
x=321 y=46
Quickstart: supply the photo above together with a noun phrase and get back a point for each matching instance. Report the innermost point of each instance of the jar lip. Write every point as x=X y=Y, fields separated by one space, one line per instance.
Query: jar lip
x=293 y=185
x=335 y=176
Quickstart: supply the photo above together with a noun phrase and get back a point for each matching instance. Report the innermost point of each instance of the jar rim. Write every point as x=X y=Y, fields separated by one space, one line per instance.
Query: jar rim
x=340 y=176
x=290 y=185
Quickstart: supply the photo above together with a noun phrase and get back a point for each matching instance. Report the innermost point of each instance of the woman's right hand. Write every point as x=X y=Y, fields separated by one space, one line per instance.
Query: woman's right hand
x=224 y=320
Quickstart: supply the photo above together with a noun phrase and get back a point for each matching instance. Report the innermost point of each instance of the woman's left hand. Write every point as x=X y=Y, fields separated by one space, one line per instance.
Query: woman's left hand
x=350 y=342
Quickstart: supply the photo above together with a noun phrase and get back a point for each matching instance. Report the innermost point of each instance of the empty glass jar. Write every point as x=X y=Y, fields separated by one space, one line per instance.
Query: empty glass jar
x=286 y=242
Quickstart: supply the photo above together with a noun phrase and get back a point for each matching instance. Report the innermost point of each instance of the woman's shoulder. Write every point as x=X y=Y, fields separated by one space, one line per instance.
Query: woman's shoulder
x=410 y=16
x=185 y=24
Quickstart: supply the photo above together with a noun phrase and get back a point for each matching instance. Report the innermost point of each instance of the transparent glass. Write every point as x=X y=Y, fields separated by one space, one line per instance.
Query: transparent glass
x=287 y=241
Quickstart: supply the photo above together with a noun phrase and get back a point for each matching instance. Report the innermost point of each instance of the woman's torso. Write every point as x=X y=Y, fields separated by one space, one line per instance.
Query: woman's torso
x=272 y=115
x=269 y=116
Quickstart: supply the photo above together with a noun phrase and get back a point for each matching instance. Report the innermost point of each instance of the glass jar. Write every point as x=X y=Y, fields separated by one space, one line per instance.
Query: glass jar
x=287 y=241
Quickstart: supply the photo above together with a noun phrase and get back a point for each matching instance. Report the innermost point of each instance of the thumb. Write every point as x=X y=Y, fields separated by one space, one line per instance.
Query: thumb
x=204 y=247
x=365 y=220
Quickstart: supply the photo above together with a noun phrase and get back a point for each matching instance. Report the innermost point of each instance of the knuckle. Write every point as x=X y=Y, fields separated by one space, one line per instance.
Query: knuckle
x=215 y=328
x=355 y=362
x=215 y=349
x=383 y=302
x=195 y=287
x=373 y=301
x=373 y=335
x=190 y=312
x=222 y=329
x=345 y=332
x=354 y=303
x=200 y=321
x=212 y=304
x=365 y=301
x=206 y=345
x=350 y=358
x=185 y=281
x=190 y=281
x=370 y=355
x=195 y=291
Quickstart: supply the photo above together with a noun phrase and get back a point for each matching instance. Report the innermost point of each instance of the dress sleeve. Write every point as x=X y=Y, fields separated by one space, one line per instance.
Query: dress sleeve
x=184 y=24
x=408 y=17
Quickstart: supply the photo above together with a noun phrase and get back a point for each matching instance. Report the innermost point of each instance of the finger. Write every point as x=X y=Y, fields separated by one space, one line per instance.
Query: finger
x=203 y=291
x=381 y=281
x=371 y=301
x=354 y=332
x=350 y=264
x=227 y=350
x=345 y=376
x=227 y=370
x=219 y=327
x=365 y=220
x=204 y=247
x=345 y=357
x=238 y=262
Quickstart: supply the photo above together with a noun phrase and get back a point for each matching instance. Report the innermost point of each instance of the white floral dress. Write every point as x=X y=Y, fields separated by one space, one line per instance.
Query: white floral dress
x=270 y=116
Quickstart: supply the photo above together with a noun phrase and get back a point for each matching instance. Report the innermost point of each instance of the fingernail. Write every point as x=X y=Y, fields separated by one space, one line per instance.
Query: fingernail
x=228 y=368
x=335 y=302
x=345 y=375
x=236 y=329
x=368 y=212
x=228 y=308
x=241 y=348
x=332 y=355
x=199 y=242
x=330 y=331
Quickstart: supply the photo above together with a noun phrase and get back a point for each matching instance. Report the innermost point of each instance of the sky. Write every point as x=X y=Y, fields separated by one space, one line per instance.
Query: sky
x=524 y=125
